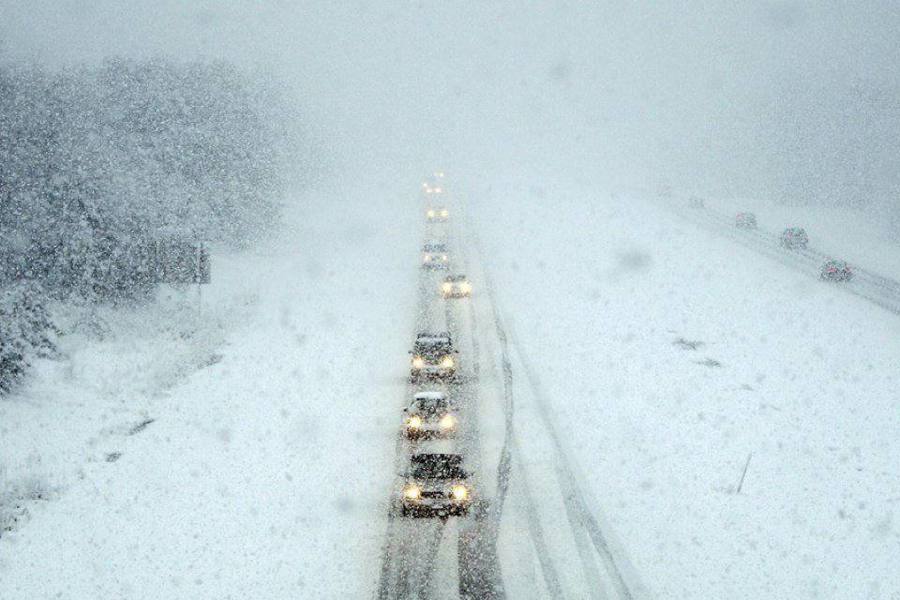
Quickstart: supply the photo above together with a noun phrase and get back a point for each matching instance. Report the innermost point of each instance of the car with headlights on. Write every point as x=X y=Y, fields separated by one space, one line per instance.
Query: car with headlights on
x=836 y=270
x=435 y=256
x=432 y=357
x=433 y=185
x=745 y=220
x=431 y=414
x=436 y=485
x=438 y=214
x=456 y=286
x=793 y=238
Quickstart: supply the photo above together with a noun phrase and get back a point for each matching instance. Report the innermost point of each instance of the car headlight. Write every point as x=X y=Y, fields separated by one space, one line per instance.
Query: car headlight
x=447 y=287
x=430 y=214
x=465 y=287
x=447 y=362
x=445 y=213
x=448 y=421
x=426 y=258
x=412 y=492
x=414 y=422
x=418 y=362
x=437 y=190
x=459 y=492
x=444 y=257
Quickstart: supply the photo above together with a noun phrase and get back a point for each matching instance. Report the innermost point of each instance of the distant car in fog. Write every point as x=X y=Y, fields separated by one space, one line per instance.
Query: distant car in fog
x=430 y=414
x=433 y=357
x=436 y=485
x=745 y=220
x=696 y=202
x=433 y=185
x=456 y=286
x=437 y=215
x=794 y=237
x=435 y=256
x=836 y=270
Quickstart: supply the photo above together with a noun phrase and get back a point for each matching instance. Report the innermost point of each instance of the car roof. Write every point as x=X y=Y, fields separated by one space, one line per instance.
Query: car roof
x=439 y=336
x=437 y=458
x=438 y=466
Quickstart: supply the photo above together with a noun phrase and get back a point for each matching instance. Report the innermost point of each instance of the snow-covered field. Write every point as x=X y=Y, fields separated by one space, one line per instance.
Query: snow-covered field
x=671 y=356
x=261 y=473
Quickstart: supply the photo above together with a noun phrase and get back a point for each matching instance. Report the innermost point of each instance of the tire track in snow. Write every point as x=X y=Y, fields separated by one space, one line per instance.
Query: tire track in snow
x=404 y=548
x=576 y=505
x=480 y=573
x=410 y=553
x=581 y=521
x=504 y=469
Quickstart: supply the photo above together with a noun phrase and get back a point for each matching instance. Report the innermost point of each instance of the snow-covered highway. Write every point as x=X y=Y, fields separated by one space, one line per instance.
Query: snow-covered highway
x=881 y=290
x=598 y=370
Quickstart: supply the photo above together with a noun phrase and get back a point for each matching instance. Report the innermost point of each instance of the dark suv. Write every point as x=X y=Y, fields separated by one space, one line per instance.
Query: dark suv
x=436 y=486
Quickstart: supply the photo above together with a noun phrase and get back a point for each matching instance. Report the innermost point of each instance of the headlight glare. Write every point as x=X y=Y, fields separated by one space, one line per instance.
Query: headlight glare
x=418 y=362
x=412 y=492
x=414 y=422
x=459 y=492
x=448 y=421
x=447 y=362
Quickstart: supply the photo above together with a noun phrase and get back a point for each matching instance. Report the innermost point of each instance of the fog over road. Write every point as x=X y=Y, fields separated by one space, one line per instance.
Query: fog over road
x=211 y=216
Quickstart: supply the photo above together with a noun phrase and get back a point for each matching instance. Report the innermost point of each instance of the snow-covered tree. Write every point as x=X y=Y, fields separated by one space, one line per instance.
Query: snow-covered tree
x=100 y=164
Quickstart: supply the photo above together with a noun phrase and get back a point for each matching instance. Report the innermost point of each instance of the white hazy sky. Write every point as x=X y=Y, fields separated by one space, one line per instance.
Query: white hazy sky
x=696 y=93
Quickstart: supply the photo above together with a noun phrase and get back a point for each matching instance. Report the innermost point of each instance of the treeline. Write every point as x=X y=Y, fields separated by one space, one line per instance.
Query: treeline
x=97 y=161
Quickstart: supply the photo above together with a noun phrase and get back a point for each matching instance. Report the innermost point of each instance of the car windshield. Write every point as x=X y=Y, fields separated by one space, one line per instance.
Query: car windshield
x=437 y=467
x=432 y=346
x=434 y=248
x=432 y=405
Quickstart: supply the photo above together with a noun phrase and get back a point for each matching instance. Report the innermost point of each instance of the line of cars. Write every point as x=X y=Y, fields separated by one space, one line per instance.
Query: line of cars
x=435 y=482
x=792 y=238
